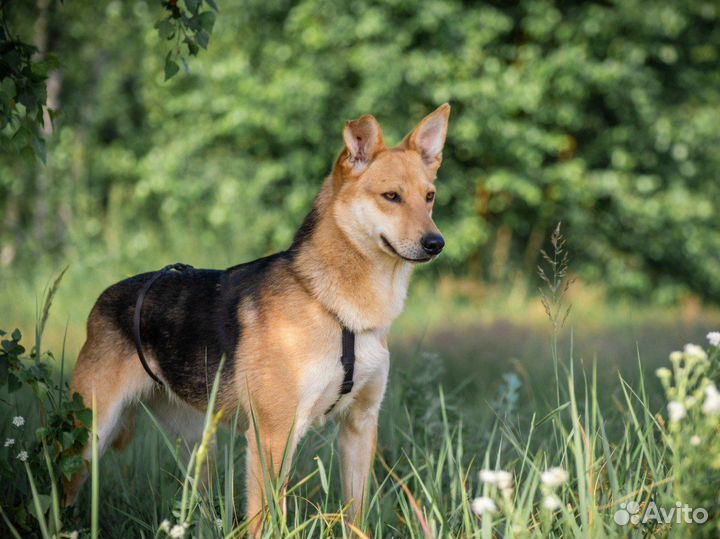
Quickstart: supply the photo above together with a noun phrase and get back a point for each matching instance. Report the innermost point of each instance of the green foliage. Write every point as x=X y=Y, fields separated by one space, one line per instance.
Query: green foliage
x=24 y=72
x=190 y=27
x=694 y=430
x=602 y=115
x=35 y=459
x=548 y=470
x=52 y=449
x=22 y=91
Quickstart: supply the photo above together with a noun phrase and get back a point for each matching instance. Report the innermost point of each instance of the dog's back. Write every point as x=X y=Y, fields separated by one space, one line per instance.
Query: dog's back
x=189 y=320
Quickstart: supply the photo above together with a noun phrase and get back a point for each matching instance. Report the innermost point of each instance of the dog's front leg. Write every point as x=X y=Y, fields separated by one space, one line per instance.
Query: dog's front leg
x=265 y=454
x=358 y=436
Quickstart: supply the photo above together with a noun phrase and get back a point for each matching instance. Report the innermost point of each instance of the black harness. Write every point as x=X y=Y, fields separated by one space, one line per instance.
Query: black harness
x=347 y=358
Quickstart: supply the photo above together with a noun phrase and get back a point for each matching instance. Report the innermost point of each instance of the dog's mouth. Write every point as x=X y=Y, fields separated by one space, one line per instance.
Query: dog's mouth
x=394 y=251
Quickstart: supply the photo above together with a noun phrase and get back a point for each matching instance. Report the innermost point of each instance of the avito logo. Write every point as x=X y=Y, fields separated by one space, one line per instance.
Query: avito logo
x=631 y=513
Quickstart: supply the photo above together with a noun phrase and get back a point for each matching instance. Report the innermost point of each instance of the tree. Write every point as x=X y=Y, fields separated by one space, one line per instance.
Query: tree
x=602 y=115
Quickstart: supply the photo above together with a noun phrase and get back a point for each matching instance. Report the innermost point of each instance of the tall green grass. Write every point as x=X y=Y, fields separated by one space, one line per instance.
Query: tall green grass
x=569 y=457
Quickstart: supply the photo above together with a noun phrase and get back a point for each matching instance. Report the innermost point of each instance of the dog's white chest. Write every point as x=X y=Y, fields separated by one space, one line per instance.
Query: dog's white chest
x=322 y=384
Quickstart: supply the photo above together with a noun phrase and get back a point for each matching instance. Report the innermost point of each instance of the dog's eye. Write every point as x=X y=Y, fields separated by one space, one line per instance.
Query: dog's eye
x=430 y=196
x=392 y=196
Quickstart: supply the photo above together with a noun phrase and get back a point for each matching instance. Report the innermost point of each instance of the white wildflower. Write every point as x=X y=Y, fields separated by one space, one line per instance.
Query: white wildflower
x=695 y=351
x=22 y=456
x=483 y=505
x=554 y=477
x=219 y=524
x=177 y=531
x=695 y=440
x=676 y=411
x=9 y=442
x=500 y=478
x=714 y=338
x=551 y=503
x=690 y=402
x=663 y=373
x=18 y=421
x=74 y=535
x=488 y=476
x=504 y=479
x=505 y=482
x=711 y=406
x=165 y=526
x=676 y=356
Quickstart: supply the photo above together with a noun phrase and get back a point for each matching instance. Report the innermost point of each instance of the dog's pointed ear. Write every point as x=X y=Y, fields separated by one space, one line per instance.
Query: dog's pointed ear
x=363 y=141
x=428 y=138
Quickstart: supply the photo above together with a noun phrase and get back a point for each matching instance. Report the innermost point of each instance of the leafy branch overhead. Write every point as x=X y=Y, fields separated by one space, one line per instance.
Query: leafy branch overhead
x=23 y=91
x=24 y=70
x=189 y=26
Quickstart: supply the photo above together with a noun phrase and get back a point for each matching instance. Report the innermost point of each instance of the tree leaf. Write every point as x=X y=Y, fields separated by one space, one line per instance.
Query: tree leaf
x=14 y=383
x=85 y=417
x=166 y=29
x=38 y=146
x=192 y=46
x=206 y=20
x=203 y=39
x=7 y=91
x=44 y=500
x=171 y=67
x=193 y=5
x=71 y=464
x=67 y=439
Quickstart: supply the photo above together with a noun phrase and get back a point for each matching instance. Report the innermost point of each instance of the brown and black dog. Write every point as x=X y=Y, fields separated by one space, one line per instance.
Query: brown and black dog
x=279 y=320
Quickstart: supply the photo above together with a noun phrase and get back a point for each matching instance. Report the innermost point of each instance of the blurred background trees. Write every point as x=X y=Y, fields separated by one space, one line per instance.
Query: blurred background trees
x=605 y=115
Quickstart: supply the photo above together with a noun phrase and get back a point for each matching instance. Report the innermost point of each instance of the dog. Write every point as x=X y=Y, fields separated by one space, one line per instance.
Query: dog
x=281 y=321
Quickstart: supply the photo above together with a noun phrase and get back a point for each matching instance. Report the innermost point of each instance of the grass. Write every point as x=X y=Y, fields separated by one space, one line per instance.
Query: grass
x=453 y=407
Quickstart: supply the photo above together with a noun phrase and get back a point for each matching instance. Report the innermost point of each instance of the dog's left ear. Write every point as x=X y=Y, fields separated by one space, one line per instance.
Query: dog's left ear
x=363 y=141
x=428 y=138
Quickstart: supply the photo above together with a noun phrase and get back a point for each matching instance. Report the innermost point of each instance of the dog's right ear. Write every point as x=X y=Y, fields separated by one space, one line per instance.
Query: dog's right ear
x=363 y=141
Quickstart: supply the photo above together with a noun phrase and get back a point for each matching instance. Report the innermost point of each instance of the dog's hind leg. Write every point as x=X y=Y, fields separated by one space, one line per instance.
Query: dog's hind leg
x=107 y=368
x=125 y=429
x=182 y=422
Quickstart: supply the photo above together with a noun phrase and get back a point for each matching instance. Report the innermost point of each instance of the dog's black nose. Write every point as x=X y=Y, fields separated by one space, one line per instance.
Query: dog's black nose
x=432 y=243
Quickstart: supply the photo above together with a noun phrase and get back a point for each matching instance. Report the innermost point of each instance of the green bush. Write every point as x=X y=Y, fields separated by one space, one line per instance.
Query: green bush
x=44 y=445
x=603 y=115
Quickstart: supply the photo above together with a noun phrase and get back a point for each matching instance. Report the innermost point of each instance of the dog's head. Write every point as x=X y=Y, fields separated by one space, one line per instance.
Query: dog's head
x=385 y=196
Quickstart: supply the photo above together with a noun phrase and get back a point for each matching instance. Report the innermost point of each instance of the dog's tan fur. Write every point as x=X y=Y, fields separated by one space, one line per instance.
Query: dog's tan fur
x=287 y=364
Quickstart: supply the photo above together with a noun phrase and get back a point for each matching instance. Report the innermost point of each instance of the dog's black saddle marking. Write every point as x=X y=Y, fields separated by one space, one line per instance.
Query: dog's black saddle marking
x=347 y=358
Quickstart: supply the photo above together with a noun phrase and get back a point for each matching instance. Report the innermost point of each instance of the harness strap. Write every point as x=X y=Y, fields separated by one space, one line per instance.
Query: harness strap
x=138 y=311
x=348 y=360
x=347 y=357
